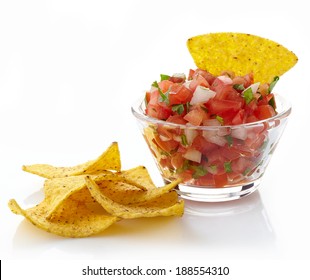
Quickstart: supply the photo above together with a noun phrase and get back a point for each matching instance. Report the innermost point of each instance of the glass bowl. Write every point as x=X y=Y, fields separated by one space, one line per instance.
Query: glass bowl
x=215 y=163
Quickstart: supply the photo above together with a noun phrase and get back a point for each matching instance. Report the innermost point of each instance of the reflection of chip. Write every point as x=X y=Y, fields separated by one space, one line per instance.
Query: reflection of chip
x=242 y=54
x=109 y=160
x=86 y=199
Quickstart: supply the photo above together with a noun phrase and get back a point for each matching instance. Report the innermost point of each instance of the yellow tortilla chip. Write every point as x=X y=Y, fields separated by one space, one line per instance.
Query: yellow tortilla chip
x=140 y=177
x=108 y=160
x=242 y=54
x=58 y=190
x=74 y=219
x=126 y=194
x=165 y=205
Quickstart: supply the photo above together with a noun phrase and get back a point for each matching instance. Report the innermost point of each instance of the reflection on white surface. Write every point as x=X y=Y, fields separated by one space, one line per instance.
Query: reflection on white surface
x=238 y=229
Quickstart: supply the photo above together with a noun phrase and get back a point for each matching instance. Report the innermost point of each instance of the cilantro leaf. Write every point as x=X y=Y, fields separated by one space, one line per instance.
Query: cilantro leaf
x=238 y=86
x=227 y=166
x=184 y=140
x=273 y=83
x=164 y=97
x=198 y=171
x=248 y=95
x=179 y=108
x=164 y=77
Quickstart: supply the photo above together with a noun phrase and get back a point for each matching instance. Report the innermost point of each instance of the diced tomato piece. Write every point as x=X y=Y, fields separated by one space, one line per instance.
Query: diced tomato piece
x=181 y=95
x=238 y=118
x=166 y=146
x=196 y=116
x=165 y=85
x=176 y=79
x=206 y=180
x=157 y=111
x=241 y=164
x=207 y=75
x=201 y=144
x=177 y=160
x=178 y=119
x=198 y=81
x=219 y=106
x=264 y=112
x=220 y=180
x=147 y=96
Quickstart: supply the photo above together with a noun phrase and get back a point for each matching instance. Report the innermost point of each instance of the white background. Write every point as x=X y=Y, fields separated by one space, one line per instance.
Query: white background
x=69 y=71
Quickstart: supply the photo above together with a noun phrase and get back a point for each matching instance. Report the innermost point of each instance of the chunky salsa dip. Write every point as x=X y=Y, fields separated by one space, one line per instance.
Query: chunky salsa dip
x=211 y=147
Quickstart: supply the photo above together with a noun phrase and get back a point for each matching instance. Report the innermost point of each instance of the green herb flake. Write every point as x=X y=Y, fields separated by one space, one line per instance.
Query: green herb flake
x=229 y=140
x=273 y=83
x=213 y=167
x=248 y=95
x=164 y=77
x=220 y=119
x=199 y=171
x=184 y=140
x=179 y=108
x=164 y=97
x=238 y=86
x=227 y=166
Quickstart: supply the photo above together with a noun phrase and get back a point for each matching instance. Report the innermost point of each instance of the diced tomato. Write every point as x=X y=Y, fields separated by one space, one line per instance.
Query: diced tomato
x=177 y=160
x=198 y=81
x=166 y=146
x=201 y=144
x=241 y=164
x=176 y=119
x=181 y=95
x=264 y=112
x=219 y=106
x=165 y=85
x=220 y=180
x=157 y=111
x=206 y=180
x=147 y=96
x=238 y=118
x=196 y=116
x=207 y=75
x=176 y=79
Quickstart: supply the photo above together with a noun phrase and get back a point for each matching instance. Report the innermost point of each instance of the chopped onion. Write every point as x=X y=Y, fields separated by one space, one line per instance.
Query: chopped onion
x=190 y=135
x=239 y=133
x=202 y=95
x=254 y=87
x=212 y=137
x=193 y=155
x=226 y=80
x=212 y=122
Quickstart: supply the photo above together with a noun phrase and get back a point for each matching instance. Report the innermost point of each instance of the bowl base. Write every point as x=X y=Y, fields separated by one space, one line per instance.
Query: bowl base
x=204 y=194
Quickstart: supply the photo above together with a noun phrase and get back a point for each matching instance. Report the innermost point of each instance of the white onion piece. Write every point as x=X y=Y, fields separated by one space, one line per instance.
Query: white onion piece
x=254 y=87
x=212 y=137
x=190 y=135
x=226 y=80
x=202 y=95
x=193 y=155
x=239 y=133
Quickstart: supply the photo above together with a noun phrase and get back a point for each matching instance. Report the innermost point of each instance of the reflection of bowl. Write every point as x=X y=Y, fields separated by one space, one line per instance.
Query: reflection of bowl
x=228 y=164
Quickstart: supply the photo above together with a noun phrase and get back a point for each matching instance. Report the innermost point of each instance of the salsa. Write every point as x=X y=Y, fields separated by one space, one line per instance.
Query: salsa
x=211 y=147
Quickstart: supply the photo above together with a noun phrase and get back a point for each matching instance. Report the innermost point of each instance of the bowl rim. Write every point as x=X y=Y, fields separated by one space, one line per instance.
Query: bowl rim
x=285 y=106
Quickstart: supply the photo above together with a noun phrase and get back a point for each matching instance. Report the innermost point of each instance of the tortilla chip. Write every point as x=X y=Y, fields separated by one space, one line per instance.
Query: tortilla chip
x=140 y=177
x=126 y=194
x=74 y=219
x=165 y=205
x=242 y=54
x=108 y=160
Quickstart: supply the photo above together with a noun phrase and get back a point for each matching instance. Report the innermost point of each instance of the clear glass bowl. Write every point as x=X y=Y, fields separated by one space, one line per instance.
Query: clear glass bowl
x=227 y=162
